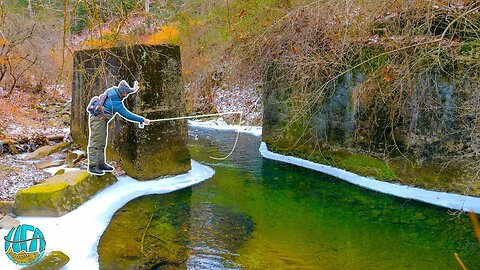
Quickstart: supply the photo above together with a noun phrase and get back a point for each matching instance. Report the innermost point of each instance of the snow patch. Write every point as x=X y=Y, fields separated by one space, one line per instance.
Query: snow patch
x=78 y=232
x=54 y=170
x=447 y=200
x=220 y=124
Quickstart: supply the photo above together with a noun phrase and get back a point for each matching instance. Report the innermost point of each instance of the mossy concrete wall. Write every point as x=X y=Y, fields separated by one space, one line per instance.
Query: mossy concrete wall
x=158 y=149
x=409 y=139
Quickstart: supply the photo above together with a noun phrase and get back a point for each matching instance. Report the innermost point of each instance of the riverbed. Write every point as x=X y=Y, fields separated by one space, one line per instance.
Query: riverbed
x=309 y=220
x=255 y=213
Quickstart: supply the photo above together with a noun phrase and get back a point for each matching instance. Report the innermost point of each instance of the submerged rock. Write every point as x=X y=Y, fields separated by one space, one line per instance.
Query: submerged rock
x=160 y=148
x=60 y=194
x=47 y=150
x=147 y=233
x=54 y=260
x=169 y=232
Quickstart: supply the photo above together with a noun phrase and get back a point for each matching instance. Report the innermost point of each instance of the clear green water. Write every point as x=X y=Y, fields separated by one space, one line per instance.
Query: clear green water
x=308 y=220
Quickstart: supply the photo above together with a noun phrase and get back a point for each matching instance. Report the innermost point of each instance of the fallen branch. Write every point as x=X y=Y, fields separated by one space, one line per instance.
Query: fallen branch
x=145 y=232
x=459 y=261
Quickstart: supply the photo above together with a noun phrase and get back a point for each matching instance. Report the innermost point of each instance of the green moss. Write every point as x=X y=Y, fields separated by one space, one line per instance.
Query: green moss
x=433 y=176
x=469 y=47
x=360 y=164
x=368 y=166
x=60 y=194
x=375 y=63
x=148 y=231
x=58 y=182
x=54 y=260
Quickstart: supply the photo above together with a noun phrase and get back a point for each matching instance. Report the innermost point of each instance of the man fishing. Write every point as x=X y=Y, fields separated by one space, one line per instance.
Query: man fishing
x=101 y=110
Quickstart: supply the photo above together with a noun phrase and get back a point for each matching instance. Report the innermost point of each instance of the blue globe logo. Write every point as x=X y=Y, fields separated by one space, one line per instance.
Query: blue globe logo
x=25 y=245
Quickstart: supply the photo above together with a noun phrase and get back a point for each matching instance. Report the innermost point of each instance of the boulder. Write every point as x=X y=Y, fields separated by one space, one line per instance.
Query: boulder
x=6 y=206
x=47 y=150
x=54 y=260
x=158 y=149
x=7 y=222
x=49 y=163
x=60 y=194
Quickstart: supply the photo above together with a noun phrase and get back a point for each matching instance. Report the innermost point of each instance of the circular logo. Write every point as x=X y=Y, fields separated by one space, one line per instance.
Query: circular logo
x=25 y=245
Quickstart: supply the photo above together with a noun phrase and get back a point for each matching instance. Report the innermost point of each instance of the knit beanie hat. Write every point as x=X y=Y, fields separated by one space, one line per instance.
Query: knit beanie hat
x=124 y=88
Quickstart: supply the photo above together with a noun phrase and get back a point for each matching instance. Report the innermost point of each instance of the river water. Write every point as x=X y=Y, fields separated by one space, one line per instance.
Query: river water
x=256 y=213
x=295 y=218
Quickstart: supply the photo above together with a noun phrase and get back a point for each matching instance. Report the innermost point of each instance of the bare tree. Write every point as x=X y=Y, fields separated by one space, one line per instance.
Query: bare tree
x=147 y=6
x=30 y=10
x=16 y=58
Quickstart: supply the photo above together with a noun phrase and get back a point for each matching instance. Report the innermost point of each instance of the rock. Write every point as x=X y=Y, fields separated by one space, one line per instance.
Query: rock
x=55 y=137
x=49 y=163
x=8 y=146
x=157 y=150
x=158 y=230
x=61 y=171
x=147 y=232
x=60 y=194
x=71 y=157
x=80 y=154
x=6 y=206
x=7 y=168
x=47 y=150
x=7 y=222
x=54 y=260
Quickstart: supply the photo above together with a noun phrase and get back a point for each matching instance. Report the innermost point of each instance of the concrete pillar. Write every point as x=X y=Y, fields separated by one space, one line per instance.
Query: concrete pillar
x=158 y=149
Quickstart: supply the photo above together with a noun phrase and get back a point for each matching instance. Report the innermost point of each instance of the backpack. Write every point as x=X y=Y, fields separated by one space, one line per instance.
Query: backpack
x=95 y=107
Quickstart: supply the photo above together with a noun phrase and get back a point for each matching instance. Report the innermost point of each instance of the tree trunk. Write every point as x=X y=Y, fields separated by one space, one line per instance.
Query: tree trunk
x=30 y=10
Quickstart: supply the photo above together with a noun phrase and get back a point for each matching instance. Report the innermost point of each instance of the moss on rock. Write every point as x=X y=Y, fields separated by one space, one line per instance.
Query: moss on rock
x=54 y=260
x=164 y=231
x=60 y=194
x=147 y=233
x=397 y=170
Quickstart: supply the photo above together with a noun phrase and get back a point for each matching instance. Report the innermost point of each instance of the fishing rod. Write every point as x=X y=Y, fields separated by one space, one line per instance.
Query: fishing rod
x=194 y=116
x=207 y=115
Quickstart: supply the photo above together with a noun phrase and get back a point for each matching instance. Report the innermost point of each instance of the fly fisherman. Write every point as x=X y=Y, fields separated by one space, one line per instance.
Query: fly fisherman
x=101 y=110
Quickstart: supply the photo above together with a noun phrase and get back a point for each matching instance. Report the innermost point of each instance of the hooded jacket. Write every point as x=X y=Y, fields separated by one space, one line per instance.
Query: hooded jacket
x=114 y=102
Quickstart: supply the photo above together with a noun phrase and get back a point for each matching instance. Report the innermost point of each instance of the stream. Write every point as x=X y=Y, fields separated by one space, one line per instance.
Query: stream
x=303 y=219
x=253 y=213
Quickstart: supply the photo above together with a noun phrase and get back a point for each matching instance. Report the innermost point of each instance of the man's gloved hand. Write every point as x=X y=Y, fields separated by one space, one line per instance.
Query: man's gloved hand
x=145 y=122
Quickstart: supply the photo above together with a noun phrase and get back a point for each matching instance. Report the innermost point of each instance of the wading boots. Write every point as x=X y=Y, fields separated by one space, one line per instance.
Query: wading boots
x=95 y=169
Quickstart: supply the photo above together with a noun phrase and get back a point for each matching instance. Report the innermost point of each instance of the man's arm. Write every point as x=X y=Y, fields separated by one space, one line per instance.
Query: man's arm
x=128 y=115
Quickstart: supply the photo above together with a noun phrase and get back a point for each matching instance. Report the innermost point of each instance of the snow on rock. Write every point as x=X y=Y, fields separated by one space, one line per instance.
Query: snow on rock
x=447 y=200
x=220 y=124
x=54 y=170
x=78 y=232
